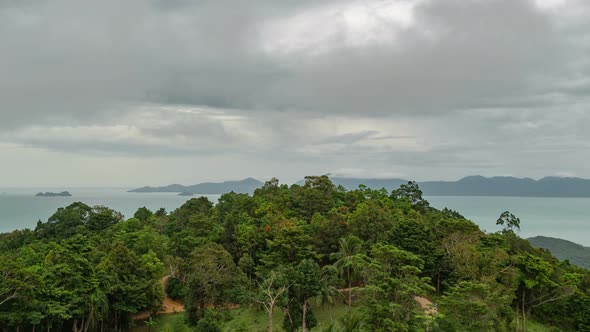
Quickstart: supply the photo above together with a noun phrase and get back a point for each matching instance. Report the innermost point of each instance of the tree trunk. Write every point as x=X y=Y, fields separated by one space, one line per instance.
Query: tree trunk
x=516 y=329
x=523 y=312
x=270 y=314
x=303 y=321
x=349 y=293
x=330 y=312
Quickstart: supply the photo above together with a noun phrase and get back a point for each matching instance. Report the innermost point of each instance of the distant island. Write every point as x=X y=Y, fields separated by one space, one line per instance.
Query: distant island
x=186 y=193
x=50 y=194
x=468 y=186
x=563 y=249
x=246 y=186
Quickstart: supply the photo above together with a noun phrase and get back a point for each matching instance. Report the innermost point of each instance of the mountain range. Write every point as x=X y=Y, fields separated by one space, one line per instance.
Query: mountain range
x=468 y=186
x=246 y=186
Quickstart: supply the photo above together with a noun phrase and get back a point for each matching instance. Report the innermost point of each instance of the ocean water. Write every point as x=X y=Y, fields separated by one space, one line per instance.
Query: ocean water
x=19 y=208
x=566 y=218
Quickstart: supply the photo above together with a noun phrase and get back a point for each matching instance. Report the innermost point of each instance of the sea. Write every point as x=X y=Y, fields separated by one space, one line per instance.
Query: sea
x=565 y=218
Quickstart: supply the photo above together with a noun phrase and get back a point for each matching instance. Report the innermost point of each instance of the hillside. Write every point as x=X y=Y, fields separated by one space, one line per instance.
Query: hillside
x=563 y=249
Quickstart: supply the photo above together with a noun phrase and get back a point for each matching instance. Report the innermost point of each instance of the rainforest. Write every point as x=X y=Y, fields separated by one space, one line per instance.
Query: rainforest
x=305 y=257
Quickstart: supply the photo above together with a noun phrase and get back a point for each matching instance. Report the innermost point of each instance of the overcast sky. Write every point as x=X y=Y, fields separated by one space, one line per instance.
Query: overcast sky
x=134 y=92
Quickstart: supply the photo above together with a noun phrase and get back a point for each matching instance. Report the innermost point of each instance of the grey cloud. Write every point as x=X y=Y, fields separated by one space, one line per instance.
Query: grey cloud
x=496 y=85
x=475 y=55
x=350 y=138
x=67 y=61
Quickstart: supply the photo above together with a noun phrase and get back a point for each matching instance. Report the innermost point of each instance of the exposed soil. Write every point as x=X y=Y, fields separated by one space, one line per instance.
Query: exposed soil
x=427 y=305
x=169 y=306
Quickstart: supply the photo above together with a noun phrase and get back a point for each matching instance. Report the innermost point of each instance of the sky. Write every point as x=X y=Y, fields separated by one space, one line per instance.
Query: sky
x=152 y=92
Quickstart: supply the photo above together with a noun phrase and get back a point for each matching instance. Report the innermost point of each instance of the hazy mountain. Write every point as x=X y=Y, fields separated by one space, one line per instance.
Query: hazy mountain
x=243 y=186
x=563 y=249
x=509 y=186
x=483 y=186
x=468 y=186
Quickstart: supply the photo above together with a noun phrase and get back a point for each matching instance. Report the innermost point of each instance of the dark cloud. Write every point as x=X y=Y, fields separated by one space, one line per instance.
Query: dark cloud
x=400 y=86
x=63 y=59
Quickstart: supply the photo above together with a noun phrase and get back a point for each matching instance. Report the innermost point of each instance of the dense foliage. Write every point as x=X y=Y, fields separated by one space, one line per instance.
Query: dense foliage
x=290 y=249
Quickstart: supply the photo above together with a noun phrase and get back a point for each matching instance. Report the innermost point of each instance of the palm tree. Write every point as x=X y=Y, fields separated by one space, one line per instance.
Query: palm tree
x=150 y=322
x=349 y=247
x=328 y=293
x=351 y=322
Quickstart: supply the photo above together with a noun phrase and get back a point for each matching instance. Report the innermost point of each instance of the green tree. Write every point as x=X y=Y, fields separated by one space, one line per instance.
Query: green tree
x=316 y=196
x=352 y=322
x=473 y=306
x=393 y=284
x=412 y=194
x=306 y=286
x=371 y=221
x=212 y=274
x=272 y=292
x=539 y=284
x=328 y=293
x=346 y=261
x=143 y=214
x=64 y=222
x=209 y=322
x=509 y=221
x=291 y=246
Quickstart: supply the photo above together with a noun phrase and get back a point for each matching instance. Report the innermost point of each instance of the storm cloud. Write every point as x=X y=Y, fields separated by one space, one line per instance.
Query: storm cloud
x=422 y=89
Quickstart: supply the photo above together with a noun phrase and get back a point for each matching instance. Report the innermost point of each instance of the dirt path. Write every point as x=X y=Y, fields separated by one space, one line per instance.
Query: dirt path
x=169 y=306
x=427 y=305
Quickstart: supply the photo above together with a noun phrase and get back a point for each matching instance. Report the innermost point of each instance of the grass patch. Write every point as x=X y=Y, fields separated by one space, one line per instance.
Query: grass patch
x=249 y=319
x=165 y=323
x=532 y=326
x=246 y=319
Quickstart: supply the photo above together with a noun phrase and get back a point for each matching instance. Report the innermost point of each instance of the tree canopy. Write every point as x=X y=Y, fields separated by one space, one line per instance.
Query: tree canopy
x=291 y=249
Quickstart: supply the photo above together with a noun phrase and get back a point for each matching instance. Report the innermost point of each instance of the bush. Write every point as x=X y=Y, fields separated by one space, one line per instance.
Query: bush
x=208 y=323
x=175 y=289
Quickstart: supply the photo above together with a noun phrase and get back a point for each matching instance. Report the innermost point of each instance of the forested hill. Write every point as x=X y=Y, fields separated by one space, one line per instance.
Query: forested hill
x=563 y=249
x=484 y=186
x=285 y=252
x=246 y=186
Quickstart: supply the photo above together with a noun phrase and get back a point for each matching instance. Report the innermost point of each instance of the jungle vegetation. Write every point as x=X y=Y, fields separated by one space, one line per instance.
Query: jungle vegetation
x=291 y=249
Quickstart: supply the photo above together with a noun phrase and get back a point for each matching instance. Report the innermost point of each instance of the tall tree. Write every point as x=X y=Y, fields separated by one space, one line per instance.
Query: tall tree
x=412 y=194
x=346 y=256
x=306 y=285
x=212 y=274
x=272 y=292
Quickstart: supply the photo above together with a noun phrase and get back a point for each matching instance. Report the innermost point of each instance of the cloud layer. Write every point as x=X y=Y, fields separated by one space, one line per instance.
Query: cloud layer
x=417 y=88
